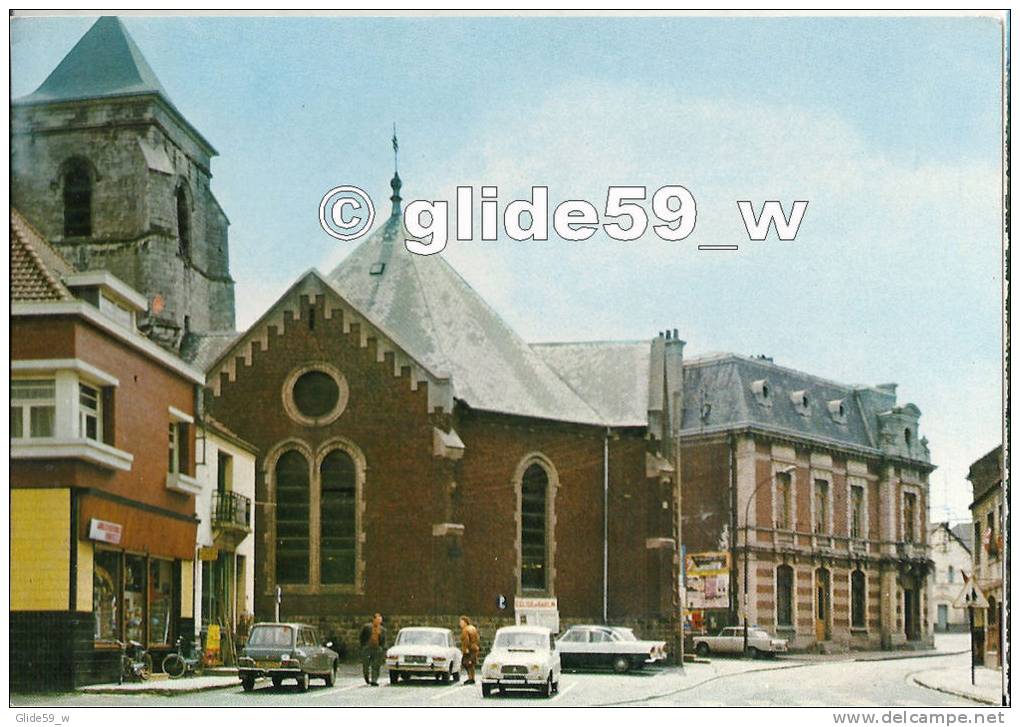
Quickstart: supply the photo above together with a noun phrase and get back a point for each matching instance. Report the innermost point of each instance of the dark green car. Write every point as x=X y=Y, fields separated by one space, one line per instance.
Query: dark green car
x=286 y=651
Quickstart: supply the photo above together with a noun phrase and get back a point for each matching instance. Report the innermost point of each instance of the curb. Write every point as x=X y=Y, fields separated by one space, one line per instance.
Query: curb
x=957 y=693
x=914 y=655
x=159 y=691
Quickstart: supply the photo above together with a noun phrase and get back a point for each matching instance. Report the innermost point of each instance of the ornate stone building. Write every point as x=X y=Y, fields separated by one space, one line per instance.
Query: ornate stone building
x=821 y=489
x=987 y=512
x=116 y=178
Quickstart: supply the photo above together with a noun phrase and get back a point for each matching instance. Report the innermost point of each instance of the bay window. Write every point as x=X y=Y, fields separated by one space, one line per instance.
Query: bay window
x=33 y=408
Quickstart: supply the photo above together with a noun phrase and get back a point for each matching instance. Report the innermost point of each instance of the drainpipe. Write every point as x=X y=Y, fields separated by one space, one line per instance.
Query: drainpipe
x=605 y=527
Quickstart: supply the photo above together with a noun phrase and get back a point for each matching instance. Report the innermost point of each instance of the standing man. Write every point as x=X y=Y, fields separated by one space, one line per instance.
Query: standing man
x=373 y=644
x=469 y=646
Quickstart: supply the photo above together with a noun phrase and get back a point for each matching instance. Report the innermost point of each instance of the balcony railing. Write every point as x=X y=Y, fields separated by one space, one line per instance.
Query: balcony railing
x=231 y=510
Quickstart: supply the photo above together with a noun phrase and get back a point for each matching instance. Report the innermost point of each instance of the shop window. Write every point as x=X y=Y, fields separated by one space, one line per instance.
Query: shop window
x=784 y=595
x=134 y=598
x=338 y=518
x=77 y=200
x=783 y=519
x=534 y=528
x=160 y=602
x=33 y=408
x=292 y=516
x=105 y=595
x=858 y=599
x=856 y=511
x=90 y=405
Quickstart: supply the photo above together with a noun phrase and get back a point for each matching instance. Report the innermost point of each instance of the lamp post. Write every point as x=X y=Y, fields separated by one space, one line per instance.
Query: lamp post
x=747 y=511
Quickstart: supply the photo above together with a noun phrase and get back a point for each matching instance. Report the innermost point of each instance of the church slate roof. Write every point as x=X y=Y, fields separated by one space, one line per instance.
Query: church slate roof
x=36 y=267
x=105 y=62
x=202 y=350
x=612 y=376
x=720 y=393
x=438 y=319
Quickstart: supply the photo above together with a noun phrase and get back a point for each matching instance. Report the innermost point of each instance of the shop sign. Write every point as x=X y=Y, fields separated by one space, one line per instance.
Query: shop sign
x=105 y=531
x=537 y=612
x=208 y=553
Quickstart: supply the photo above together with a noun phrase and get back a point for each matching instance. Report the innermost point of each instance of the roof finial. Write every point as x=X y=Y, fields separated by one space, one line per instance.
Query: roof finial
x=395 y=183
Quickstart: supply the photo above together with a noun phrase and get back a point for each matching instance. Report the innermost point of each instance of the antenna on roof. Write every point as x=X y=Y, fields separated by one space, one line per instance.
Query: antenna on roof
x=395 y=183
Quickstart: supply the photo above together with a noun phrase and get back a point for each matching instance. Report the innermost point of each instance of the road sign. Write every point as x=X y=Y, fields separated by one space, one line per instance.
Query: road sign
x=971 y=596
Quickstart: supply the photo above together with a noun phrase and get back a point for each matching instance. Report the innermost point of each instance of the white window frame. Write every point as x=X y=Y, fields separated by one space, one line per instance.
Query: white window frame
x=84 y=413
x=176 y=480
x=26 y=405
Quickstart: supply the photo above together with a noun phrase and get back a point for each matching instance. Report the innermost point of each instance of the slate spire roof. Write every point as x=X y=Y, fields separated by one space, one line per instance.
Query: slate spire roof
x=104 y=63
x=438 y=319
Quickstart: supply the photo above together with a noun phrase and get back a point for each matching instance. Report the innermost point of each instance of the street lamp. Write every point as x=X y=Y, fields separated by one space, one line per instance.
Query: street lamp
x=747 y=511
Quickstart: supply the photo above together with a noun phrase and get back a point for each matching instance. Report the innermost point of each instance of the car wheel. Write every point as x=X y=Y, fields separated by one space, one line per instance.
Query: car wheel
x=702 y=649
x=556 y=687
x=456 y=676
x=302 y=681
x=621 y=664
x=248 y=684
x=753 y=652
x=547 y=687
x=331 y=676
x=486 y=690
x=394 y=677
x=277 y=682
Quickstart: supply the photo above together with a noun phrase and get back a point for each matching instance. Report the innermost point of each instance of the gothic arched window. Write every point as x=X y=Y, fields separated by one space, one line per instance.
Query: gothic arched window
x=535 y=529
x=338 y=525
x=77 y=184
x=292 y=511
x=183 y=224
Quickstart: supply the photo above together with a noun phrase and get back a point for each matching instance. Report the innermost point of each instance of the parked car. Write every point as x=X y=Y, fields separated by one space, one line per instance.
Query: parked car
x=731 y=641
x=616 y=647
x=522 y=657
x=422 y=651
x=286 y=651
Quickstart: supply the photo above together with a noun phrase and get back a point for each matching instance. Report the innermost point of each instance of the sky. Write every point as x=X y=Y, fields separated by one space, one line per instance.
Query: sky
x=890 y=127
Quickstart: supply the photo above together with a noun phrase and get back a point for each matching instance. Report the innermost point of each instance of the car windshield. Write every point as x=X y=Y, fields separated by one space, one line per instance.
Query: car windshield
x=625 y=634
x=759 y=634
x=416 y=637
x=270 y=636
x=521 y=640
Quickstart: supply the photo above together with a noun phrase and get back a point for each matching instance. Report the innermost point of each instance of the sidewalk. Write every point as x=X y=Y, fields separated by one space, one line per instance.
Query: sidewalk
x=166 y=687
x=945 y=645
x=955 y=680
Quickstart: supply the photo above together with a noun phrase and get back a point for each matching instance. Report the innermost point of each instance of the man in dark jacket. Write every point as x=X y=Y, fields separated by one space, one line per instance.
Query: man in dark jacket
x=373 y=647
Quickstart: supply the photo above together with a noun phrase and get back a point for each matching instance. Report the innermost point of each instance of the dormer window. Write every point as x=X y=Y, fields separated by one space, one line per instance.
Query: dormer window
x=762 y=392
x=837 y=410
x=801 y=403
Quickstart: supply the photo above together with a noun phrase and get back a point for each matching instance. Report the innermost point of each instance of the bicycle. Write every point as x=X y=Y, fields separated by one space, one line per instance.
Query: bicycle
x=135 y=662
x=176 y=664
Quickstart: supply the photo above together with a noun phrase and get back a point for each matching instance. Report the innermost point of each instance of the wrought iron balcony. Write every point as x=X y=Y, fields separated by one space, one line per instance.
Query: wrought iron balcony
x=231 y=510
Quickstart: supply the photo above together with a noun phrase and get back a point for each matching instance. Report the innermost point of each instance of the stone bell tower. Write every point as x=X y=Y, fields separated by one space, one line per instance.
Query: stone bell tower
x=110 y=171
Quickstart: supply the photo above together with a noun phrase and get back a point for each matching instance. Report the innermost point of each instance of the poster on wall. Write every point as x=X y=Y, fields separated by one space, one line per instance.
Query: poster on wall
x=708 y=580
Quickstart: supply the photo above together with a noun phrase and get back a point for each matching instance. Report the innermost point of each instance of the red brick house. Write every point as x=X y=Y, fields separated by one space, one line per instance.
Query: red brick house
x=102 y=464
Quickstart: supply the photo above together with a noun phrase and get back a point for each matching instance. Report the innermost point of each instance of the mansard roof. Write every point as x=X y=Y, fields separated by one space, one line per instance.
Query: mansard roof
x=435 y=315
x=724 y=390
x=105 y=62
